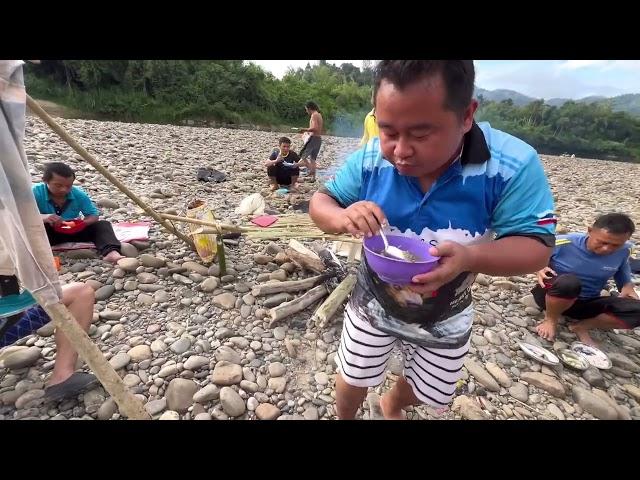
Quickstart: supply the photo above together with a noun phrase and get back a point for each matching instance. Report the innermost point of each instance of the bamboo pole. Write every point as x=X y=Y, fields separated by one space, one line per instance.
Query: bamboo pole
x=128 y=404
x=91 y=160
x=287 y=231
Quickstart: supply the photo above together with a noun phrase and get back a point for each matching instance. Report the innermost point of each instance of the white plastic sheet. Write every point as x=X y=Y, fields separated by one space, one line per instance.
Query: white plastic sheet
x=24 y=247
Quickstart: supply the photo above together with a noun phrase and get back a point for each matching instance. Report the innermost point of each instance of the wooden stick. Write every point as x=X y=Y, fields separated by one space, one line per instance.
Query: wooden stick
x=297 y=305
x=91 y=160
x=128 y=404
x=289 y=286
x=313 y=264
x=214 y=225
x=330 y=306
x=300 y=248
x=353 y=252
x=531 y=408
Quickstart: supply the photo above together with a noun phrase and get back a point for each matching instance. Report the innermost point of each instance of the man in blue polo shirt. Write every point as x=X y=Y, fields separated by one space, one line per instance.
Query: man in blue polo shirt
x=579 y=269
x=478 y=196
x=60 y=201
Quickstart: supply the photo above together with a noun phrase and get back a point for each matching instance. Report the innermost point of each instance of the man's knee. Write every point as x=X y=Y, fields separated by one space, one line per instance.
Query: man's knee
x=87 y=293
x=78 y=291
x=626 y=311
x=101 y=224
x=566 y=286
x=99 y=227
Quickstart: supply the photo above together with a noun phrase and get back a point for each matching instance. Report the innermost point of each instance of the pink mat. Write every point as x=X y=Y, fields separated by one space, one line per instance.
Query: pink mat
x=125 y=232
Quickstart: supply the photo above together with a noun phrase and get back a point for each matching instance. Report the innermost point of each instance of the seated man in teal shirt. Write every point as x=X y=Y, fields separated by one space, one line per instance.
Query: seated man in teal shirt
x=61 y=204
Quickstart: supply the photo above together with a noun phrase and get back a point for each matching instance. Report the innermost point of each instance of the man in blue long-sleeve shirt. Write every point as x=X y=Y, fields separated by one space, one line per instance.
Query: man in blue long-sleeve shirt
x=579 y=269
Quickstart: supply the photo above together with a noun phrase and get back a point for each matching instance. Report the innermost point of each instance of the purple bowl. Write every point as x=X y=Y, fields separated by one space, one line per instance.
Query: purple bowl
x=398 y=272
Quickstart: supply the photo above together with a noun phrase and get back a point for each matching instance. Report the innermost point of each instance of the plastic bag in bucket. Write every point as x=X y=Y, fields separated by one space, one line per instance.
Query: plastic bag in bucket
x=205 y=243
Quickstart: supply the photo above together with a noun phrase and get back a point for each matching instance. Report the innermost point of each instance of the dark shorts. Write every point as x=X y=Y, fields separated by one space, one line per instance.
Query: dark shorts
x=311 y=148
x=626 y=310
x=30 y=321
x=283 y=174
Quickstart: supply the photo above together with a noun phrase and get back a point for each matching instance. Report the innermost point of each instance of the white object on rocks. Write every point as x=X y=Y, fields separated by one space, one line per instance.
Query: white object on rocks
x=254 y=204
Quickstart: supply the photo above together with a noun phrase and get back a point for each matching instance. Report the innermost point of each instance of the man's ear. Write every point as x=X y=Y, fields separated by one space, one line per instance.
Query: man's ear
x=467 y=119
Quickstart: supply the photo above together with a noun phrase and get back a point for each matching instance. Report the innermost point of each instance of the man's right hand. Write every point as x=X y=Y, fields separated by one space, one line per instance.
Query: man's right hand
x=361 y=218
x=545 y=274
x=53 y=220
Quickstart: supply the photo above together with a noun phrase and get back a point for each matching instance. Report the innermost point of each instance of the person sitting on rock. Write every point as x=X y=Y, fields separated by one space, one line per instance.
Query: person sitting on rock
x=61 y=203
x=79 y=298
x=282 y=166
x=579 y=269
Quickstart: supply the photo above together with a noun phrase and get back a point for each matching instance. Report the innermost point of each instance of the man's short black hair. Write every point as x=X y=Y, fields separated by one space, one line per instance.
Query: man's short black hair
x=312 y=106
x=458 y=76
x=282 y=140
x=57 y=168
x=616 y=223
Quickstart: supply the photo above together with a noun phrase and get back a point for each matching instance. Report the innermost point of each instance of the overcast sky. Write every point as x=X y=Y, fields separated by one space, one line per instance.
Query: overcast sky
x=536 y=78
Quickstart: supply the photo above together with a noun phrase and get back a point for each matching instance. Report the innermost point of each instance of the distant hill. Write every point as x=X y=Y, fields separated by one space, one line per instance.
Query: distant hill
x=556 y=102
x=502 y=94
x=629 y=103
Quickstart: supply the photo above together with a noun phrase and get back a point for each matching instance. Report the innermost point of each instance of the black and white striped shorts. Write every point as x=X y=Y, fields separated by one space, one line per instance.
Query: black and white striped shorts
x=364 y=352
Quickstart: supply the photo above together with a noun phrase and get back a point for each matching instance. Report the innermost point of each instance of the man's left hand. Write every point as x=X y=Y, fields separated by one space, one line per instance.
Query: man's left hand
x=454 y=259
x=628 y=292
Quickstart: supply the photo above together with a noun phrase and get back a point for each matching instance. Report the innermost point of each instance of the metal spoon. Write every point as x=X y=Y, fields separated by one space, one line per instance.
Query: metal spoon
x=395 y=251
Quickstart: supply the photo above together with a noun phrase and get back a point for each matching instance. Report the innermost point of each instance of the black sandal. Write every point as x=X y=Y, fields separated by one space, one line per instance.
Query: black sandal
x=71 y=387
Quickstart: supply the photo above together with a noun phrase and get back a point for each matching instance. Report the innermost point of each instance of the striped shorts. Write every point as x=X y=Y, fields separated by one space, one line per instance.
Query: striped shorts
x=364 y=352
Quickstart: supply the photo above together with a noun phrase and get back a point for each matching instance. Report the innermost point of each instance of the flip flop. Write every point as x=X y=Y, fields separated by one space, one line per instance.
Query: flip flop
x=71 y=387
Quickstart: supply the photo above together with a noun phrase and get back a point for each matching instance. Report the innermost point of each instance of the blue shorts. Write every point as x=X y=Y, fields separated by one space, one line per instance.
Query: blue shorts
x=30 y=321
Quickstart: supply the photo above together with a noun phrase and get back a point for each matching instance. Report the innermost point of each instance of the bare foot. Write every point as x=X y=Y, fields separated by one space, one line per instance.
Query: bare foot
x=375 y=412
x=113 y=256
x=547 y=329
x=583 y=334
x=388 y=412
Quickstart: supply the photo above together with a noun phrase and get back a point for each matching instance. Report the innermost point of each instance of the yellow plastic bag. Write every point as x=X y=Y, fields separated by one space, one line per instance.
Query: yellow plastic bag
x=205 y=243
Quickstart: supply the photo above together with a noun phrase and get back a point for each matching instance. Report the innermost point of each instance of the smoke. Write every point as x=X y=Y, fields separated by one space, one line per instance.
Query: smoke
x=347 y=124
